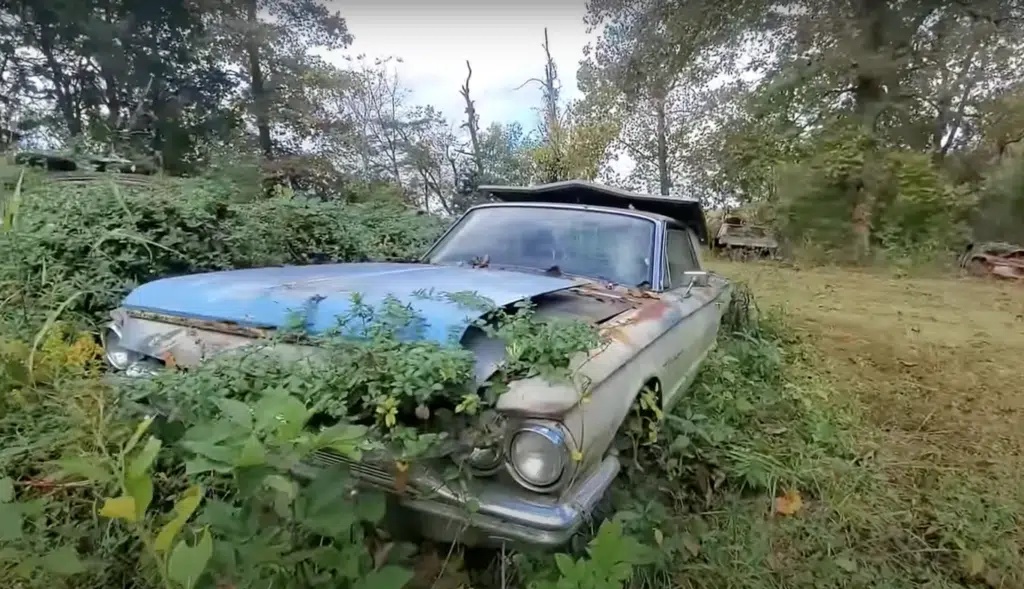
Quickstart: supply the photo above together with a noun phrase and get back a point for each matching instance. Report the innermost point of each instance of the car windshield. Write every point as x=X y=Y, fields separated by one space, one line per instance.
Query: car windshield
x=604 y=245
x=747 y=231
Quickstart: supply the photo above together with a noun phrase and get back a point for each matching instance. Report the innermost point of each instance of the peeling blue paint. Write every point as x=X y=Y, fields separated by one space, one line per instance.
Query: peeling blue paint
x=270 y=297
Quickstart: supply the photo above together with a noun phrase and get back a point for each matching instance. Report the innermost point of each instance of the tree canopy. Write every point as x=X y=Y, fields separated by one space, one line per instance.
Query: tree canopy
x=859 y=125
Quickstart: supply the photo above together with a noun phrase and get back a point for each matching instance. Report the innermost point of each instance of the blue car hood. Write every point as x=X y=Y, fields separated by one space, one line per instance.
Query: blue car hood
x=269 y=297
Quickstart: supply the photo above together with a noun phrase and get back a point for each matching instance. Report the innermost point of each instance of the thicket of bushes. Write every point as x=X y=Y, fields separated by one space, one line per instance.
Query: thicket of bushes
x=94 y=495
x=921 y=211
x=90 y=244
x=918 y=212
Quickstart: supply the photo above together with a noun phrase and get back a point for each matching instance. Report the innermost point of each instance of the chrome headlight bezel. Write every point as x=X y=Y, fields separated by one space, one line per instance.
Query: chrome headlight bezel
x=558 y=451
x=119 y=357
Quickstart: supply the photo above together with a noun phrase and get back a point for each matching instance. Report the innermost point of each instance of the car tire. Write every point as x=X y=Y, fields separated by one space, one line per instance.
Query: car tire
x=603 y=510
x=978 y=267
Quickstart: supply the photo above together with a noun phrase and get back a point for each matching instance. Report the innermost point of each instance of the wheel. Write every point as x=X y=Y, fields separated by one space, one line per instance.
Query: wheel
x=603 y=510
x=639 y=430
x=978 y=267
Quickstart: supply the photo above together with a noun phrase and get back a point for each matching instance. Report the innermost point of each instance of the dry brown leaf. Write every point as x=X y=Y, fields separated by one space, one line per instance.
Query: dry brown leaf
x=789 y=504
x=427 y=568
x=401 y=476
x=169 y=361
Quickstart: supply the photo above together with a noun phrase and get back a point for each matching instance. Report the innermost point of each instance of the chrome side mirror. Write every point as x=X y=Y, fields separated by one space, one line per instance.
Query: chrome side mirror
x=698 y=278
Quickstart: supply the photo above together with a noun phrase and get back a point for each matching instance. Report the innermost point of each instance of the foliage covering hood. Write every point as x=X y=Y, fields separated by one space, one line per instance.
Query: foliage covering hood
x=274 y=297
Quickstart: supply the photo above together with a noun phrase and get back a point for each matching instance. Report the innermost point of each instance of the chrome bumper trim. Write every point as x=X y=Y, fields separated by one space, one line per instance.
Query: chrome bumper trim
x=495 y=514
x=513 y=507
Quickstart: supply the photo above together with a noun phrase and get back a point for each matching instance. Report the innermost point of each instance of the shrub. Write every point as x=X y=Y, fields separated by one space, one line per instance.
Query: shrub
x=1000 y=214
x=917 y=211
x=93 y=243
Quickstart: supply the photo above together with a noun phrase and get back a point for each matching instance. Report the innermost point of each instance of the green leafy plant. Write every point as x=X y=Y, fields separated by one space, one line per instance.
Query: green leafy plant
x=178 y=564
x=25 y=553
x=612 y=557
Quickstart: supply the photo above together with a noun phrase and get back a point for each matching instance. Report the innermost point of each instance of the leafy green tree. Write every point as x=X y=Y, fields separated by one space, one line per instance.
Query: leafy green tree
x=651 y=70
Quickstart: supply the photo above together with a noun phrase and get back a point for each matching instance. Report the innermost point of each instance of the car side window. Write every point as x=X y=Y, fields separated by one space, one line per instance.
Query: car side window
x=680 y=257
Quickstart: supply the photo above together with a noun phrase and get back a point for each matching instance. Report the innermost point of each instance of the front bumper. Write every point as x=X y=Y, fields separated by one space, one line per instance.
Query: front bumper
x=500 y=512
x=489 y=512
x=500 y=516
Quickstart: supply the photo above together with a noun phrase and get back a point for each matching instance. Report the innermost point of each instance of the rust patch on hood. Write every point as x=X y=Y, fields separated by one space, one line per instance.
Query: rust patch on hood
x=205 y=324
x=648 y=304
x=651 y=311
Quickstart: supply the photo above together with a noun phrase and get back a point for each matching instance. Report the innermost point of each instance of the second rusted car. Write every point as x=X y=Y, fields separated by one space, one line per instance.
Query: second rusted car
x=627 y=263
x=1000 y=260
x=739 y=239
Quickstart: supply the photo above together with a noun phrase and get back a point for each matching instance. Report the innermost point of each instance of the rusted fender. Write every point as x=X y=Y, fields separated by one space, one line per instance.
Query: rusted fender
x=625 y=337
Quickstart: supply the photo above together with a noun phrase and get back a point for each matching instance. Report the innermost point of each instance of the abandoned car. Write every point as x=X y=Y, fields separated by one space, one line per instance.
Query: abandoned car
x=997 y=259
x=625 y=262
x=739 y=239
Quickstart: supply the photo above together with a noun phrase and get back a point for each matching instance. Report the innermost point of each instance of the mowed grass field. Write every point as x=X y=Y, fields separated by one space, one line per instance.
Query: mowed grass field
x=931 y=371
x=938 y=363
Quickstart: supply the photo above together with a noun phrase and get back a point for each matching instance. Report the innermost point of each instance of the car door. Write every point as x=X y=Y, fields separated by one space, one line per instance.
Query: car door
x=694 y=335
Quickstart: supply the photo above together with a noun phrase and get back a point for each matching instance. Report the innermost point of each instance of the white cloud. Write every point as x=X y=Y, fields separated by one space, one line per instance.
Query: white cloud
x=501 y=39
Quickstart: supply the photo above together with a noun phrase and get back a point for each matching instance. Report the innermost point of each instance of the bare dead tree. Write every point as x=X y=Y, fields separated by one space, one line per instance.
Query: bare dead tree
x=549 y=86
x=552 y=129
x=551 y=89
x=472 y=123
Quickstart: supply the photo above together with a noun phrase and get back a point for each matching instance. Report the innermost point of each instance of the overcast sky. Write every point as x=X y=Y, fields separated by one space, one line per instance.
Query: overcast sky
x=501 y=39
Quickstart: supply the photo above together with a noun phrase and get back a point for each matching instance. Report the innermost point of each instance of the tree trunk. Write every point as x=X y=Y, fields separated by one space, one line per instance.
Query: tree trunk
x=113 y=103
x=260 y=100
x=364 y=150
x=550 y=87
x=664 y=181
x=555 y=134
x=62 y=89
x=869 y=95
x=426 y=190
x=472 y=124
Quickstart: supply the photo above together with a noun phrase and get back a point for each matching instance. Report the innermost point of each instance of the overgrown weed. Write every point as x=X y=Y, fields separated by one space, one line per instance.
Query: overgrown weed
x=101 y=241
x=217 y=488
x=768 y=474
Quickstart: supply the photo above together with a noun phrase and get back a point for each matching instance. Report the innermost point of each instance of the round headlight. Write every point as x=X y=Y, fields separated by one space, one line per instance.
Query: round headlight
x=117 y=355
x=537 y=455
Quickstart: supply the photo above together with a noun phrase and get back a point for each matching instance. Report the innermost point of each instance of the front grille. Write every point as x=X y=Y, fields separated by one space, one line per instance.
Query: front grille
x=370 y=473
